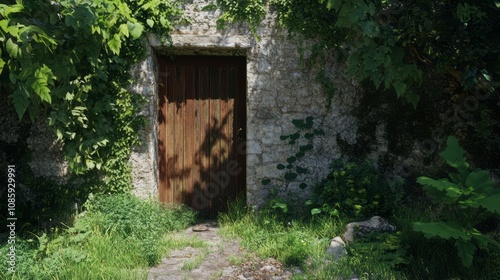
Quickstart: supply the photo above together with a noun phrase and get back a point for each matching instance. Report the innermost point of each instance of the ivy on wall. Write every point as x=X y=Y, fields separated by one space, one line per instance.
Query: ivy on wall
x=440 y=57
x=392 y=43
x=69 y=61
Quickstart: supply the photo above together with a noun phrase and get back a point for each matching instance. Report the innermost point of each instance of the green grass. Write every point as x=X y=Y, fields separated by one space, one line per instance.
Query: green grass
x=292 y=242
x=216 y=275
x=120 y=237
x=176 y=241
x=235 y=260
x=402 y=255
x=196 y=261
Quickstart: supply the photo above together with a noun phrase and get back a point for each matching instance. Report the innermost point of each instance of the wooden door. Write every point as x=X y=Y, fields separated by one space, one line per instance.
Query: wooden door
x=202 y=124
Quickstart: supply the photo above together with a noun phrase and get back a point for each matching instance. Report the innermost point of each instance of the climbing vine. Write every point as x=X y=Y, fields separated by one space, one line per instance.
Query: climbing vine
x=69 y=61
x=393 y=43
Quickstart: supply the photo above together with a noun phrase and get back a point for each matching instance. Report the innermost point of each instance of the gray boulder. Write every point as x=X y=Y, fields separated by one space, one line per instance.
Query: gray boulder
x=337 y=248
x=359 y=229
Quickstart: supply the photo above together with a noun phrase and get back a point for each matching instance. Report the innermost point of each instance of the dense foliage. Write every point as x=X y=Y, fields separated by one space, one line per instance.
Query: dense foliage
x=470 y=198
x=68 y=61
x=356 y=190
x=397 y=44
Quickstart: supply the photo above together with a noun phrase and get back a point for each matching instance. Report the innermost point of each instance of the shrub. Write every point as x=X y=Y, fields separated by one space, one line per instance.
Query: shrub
x=469 y=198
x=355 y=189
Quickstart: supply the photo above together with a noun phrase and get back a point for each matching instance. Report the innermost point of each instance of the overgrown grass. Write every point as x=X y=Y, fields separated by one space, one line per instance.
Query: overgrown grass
x=297 y=243
x=119 y=237
x=402 y=255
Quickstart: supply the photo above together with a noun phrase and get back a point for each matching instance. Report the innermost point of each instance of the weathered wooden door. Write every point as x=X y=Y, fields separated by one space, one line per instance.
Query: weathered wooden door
x=202 y=124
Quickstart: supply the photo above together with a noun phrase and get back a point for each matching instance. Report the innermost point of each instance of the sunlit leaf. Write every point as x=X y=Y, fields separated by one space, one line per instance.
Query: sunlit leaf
x=115 y=44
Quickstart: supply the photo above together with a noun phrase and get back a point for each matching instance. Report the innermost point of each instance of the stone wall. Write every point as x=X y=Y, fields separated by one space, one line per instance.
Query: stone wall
x=279 y=90
x=31 y=142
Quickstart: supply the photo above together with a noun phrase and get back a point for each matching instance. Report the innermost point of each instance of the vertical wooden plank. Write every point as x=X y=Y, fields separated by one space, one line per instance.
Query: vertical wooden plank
x=204 y=121
x=215 y=140
x=178 y=130
x=233 y=166
x=170 y=134
x=190 y=168
x=197 y=141
x=226 y=135
x=162 y=114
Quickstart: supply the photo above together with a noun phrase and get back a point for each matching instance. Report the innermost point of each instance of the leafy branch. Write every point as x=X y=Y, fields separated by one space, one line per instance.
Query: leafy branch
x=471 y=195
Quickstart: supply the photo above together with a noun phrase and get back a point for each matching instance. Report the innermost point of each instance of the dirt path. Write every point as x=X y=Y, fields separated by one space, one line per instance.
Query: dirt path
x=221 y=259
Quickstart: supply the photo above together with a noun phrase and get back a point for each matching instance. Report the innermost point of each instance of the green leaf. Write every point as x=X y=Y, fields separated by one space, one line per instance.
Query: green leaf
x=12 y=48
x=295 y=136
x=413 y=99
x=400 y=88
x=124 y=30
x=480 y=180
x=290 y=176
x=280 y=166
x=11 y=9
x=315 y=211
x=266 y=181
x=491 y=203
x=466 y=252
x=135 y=29
x=454 y=154
x=306 y=148
x=441 y=230
x=2 y=62
x=291 y=159
x=303 y=186
x=210 y=7
x=150 y=22
x=163 y=21
x=115 y=44
x=451 y=189
x=309 y=136
x=309 y=122
x=283 y=137
x=483 y=240
x=301 y=170
x=300 y=154
x=4 y=23
x=298 y=123
x=20 y=99
x=90 y=164
x=43 y=78
x=369 y=28
x=319 y=132
x=281 y=205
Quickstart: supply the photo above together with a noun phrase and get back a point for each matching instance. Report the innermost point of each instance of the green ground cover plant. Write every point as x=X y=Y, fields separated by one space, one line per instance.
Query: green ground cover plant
x=119 y=237
x=355 y=189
